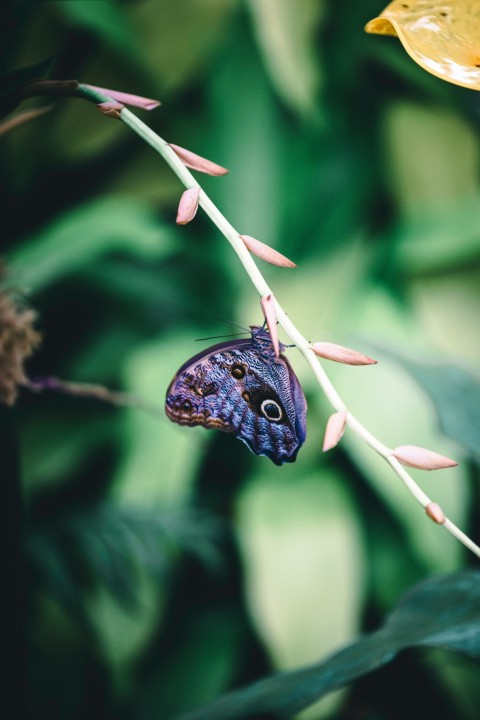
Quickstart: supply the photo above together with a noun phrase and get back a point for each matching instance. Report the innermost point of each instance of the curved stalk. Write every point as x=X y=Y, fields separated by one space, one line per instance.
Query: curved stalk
x=260 y=284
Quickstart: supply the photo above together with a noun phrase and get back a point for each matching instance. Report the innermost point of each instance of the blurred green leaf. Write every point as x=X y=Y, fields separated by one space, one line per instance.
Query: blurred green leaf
x=439 y=240
x=86 y=233
x=441 y=612
x=159 y=458
x=56 y=442
x=202 y=665
x=110 y=568
x=288 y=35
x=199 y=29
x=455 y=394
x=432 y=158
x=299 y=536
x=123 y=634
x=106 y=18
x=249 y=144
x=105 y=545
x=388 y=402
x=14 y=80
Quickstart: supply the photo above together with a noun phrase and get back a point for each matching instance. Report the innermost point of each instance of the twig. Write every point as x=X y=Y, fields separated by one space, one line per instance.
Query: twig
x=97 y=392
x=259 y=282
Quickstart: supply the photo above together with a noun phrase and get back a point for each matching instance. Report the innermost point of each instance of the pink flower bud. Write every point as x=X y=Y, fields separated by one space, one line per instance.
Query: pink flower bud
x=195 y=162
x=334 y=430
x=341 y=354
x=127 y=98
x=265 y=252
x=421 y=458
x=435 y=513
x=268 y=307
x=110 y=109
x=188 y=205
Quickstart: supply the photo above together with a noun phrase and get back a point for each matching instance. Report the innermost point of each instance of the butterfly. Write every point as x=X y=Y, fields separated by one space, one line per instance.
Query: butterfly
x=239 y=386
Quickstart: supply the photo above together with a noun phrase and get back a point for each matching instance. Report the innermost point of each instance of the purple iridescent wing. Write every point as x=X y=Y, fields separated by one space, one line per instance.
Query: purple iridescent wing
x=241 y=387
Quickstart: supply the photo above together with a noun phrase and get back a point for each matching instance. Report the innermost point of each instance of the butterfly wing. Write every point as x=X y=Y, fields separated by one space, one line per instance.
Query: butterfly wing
x=235 y=388
x=277 y=423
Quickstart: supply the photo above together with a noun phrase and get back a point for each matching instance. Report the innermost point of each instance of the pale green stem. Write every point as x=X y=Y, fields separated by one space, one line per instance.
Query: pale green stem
x=233 y=237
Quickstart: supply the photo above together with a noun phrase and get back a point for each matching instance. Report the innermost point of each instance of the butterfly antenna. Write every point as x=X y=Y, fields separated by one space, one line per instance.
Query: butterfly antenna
x=215 y=337
x=232 y=323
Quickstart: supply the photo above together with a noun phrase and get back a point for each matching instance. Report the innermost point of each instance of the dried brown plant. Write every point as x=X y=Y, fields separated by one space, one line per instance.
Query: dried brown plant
x=18 y=340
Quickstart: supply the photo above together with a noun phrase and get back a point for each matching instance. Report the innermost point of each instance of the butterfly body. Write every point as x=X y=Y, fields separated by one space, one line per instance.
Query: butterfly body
x=242 y=387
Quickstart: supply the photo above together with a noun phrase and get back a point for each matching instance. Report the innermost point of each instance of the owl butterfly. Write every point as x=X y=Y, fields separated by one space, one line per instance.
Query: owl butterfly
x=241 y=387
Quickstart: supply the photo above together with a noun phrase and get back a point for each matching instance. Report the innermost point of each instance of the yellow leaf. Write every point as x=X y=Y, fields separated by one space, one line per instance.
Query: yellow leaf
x=443 y=38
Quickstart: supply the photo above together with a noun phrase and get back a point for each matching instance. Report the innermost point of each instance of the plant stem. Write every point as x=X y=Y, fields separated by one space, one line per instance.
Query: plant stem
x=233 y=237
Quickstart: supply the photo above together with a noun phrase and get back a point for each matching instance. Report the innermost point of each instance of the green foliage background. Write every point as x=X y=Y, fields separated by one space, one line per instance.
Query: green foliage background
x=166 y=565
